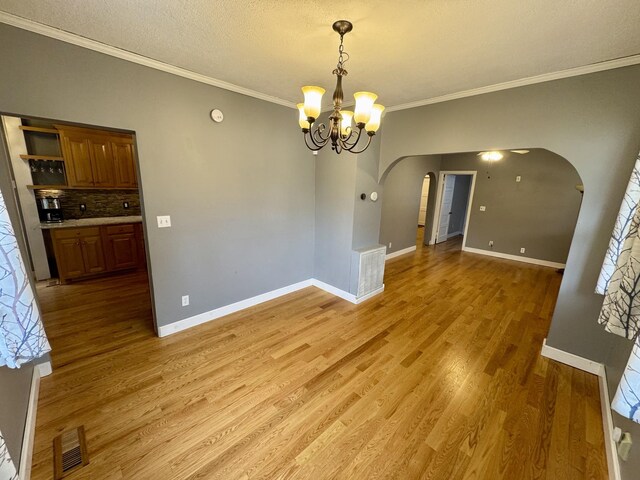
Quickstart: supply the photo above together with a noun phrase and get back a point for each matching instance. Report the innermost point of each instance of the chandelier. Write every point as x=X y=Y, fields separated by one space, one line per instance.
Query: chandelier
x=343 y=136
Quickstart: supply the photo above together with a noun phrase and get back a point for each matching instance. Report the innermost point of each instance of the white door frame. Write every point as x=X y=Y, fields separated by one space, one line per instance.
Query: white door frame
x=434 y=227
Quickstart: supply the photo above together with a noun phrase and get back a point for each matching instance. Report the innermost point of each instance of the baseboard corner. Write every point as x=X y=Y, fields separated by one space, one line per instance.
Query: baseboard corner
x=26 y=454
x=613 y=463
x=571 y=359
x=404 y=251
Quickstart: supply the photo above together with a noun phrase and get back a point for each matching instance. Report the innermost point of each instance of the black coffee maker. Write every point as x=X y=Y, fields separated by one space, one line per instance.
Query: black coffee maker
x=50 y=210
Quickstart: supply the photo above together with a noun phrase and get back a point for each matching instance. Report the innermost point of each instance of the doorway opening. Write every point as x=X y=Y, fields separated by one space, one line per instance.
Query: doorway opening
x=80 y=210
x=453 y=205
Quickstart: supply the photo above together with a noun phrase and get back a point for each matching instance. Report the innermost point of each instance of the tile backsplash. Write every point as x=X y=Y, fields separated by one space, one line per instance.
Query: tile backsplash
x=100 y=203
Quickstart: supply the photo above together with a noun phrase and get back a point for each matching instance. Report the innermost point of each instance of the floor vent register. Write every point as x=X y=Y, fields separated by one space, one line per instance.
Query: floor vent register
x=69 y=452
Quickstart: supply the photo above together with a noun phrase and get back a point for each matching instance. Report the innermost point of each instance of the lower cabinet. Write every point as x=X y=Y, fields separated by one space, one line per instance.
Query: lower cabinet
x=121 y=247
x=86 y=251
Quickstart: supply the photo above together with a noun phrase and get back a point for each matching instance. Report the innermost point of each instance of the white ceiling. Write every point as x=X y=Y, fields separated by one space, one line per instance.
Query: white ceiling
x=404 y=50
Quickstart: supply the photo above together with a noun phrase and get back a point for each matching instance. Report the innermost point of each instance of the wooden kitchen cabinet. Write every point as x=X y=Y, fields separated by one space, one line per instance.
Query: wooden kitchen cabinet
x=124 y=161
x=102 y=164
x=87 y=251
x=77 y=155
x=97 y=158
x=121 y=247
x=142 y=251
x=78 y=252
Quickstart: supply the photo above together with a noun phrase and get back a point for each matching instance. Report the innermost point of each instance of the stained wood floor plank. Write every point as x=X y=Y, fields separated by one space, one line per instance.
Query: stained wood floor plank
x=438 y=378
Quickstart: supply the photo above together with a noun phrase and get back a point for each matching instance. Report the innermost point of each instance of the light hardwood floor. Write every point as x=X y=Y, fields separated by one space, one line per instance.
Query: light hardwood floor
x=438 y=378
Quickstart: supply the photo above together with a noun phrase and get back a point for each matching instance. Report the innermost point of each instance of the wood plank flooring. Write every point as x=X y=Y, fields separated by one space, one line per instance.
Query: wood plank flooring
x=438 y=378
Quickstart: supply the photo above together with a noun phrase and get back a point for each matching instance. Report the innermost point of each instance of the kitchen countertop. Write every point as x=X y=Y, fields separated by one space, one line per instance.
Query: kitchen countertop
x=92 y=222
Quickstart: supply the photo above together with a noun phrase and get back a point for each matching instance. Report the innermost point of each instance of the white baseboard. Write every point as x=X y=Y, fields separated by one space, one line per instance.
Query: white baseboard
x=45 y=369
x=517 y=258
x=453 y=234
x=334 y=291
x=570 y=359
x=610 y=446
x=371 y=294
x=404 y=251
x=186 y=323
x=581 y=363
x=205 y=317
x=26 y=454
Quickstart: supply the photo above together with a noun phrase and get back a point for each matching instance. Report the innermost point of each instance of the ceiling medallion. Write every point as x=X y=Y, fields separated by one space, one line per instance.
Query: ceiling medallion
x=366 y=114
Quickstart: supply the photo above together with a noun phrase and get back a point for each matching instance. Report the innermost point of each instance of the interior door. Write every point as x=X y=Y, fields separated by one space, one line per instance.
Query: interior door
x=422 y=215
x=445 y=208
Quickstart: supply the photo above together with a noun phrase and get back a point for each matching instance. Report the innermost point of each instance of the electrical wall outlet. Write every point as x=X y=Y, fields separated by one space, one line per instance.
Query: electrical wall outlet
x=491 y=243
x=164 y=221
x=483 y=208
x=185 y=300
x=125 y=204
x=522 y=250
x=390 y=243
x=83 y=207
x=518 y=178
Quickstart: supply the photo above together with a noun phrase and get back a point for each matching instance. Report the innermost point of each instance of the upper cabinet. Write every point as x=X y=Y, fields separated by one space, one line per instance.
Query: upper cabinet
x=97 y=158
x=125 y=167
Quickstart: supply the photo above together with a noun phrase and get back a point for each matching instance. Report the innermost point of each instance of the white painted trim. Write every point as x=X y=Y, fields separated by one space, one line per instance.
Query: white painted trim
x=517 y=258
x=570 y=359
x=404 y=251
x=96 y=46
x=26 y=454
x=345 y=295
x=546 y=77
x=180 y=325
x=90 y=44
x=205 y=317
x=436 y=222
x=613 y=463
x=334 y=291
x=589 y=366
x=45 y=369
x=370 y=295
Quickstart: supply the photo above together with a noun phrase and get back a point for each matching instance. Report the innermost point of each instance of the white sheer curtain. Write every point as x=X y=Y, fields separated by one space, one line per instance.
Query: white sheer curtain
x=22 y=336
x=7 y=468
x=619 y=282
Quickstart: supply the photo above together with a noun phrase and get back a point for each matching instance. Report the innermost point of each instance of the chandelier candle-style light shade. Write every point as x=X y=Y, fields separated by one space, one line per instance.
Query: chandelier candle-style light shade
x=342 y=135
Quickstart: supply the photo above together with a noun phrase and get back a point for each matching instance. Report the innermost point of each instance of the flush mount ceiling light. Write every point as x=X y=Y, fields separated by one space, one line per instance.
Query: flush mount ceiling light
x=366 y=116
x=490 y=156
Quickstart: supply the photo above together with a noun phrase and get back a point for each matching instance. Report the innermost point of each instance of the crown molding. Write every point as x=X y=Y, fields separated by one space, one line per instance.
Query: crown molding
x=546 y=77
x=94 y=45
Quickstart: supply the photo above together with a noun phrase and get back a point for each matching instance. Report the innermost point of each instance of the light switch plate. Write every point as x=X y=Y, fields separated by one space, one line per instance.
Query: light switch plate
x=483 y=208
x=164 y=221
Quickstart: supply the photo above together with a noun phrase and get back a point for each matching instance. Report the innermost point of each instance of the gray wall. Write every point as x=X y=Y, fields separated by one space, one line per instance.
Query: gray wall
x=240 y=193
x=461 y=190
x=366 y=215
x=334 y=217
x=15 y=386
x=594 y=122
x=401 y=201
x=539 y=213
